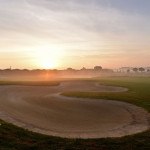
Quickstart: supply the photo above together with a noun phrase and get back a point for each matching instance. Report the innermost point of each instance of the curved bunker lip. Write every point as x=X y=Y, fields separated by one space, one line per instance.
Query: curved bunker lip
x=44 y=110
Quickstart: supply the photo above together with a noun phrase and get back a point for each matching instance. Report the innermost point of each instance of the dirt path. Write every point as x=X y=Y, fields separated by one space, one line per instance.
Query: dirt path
x=43 y=110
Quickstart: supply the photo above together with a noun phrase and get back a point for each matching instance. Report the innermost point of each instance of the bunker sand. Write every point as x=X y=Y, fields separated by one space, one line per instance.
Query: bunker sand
x=44 y=110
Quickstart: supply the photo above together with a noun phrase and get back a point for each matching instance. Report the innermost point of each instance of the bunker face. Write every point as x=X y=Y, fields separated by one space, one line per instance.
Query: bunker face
x=43 y=110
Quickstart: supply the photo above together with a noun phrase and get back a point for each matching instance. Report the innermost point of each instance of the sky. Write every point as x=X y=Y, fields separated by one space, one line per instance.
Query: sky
x=50 y=34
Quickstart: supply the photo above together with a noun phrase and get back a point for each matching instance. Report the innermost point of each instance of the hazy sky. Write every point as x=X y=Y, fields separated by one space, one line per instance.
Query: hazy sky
x=74 y=33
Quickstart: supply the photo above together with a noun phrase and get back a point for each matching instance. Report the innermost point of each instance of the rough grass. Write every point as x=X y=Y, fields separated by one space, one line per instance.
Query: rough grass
x=31 y=83
x=15 y=138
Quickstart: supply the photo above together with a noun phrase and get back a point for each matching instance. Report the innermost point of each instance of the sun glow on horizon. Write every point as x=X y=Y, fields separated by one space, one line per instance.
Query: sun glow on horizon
x=48 y=34
x=48 y=64
x=48 y=57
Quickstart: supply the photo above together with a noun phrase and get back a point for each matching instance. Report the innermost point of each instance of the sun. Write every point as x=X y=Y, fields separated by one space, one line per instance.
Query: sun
x=48 y=64
x=47 y=58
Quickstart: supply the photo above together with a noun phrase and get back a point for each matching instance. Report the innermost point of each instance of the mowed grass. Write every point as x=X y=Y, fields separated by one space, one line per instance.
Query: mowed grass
x=31 y=83
x=15 y=138
x=138 y=93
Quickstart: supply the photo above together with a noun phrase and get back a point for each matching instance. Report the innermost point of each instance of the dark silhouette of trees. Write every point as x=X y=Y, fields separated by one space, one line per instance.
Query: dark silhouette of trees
x=135 y=69
x=83 y=69
x=128 y=70
x=141 y=69
x=70 y=69
x=97 y=68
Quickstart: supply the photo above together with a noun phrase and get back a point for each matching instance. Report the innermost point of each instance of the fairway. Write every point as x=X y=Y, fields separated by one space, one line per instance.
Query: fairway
x=42 y=109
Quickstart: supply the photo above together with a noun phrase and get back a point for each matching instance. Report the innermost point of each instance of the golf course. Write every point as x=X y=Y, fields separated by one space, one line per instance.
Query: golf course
x=97 y=113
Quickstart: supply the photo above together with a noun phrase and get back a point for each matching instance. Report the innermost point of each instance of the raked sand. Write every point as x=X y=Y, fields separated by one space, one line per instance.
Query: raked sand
x=43 y=110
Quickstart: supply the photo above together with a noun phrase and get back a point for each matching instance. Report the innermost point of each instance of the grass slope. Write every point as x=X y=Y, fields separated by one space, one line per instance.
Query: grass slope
x=15 y=138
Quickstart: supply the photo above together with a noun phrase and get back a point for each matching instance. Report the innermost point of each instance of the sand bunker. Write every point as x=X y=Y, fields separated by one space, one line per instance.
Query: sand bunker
x=43 y=110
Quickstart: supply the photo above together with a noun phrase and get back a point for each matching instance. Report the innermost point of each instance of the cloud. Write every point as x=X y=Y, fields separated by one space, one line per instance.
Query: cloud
x=87 y=27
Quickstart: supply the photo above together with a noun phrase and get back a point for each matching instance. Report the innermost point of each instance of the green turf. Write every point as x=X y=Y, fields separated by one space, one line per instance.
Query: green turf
x=138 y=93
x=15 y=138
x=31 y=83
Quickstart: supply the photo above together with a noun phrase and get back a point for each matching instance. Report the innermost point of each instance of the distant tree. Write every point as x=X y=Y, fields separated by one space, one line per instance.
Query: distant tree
x=128 y=70
x=135 y=69
x=83 y=68
x=27 y=70
x=141 y=69
x=148 y=70
x=69 y=69
x=97 y=68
